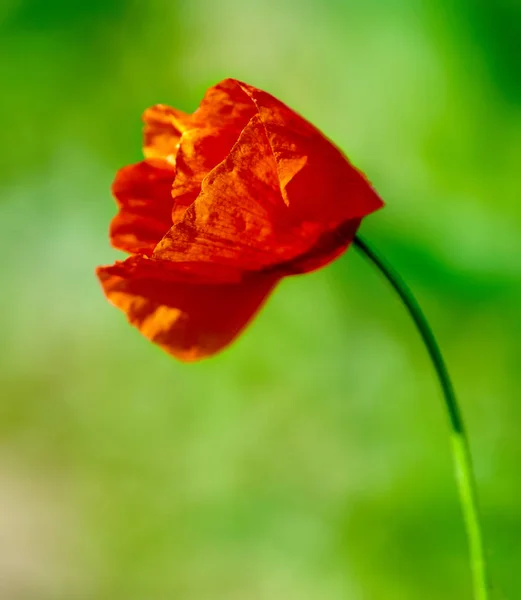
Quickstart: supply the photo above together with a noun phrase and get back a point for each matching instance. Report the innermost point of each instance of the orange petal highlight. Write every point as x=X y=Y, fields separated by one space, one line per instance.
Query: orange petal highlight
x=188 y=319
x=164 y=126
x=143 y=194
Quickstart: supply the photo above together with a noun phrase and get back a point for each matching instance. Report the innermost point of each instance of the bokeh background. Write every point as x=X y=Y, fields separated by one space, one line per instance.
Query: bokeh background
x=311 y=460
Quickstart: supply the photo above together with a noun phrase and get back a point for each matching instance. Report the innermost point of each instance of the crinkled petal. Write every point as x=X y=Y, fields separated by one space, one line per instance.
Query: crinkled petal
x=200 y=150
x=318 y=182
x=143 y=194
x=196 y=143
x=225 y=105
x=240 y=218
x=190 y=317
x=284 y=191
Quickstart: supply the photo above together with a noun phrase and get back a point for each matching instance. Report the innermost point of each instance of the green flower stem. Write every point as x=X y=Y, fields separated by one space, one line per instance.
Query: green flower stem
x=460 y=448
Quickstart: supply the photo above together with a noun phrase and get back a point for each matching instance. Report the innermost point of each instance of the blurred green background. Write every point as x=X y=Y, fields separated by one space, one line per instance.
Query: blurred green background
x=311 y=460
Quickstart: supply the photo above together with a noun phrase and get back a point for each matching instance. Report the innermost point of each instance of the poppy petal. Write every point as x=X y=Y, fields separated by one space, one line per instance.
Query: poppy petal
x=143 y=194
x=188 y=319
x=318 y=182
x=164 y=126
x=239 y=218
x=330 y=245
x=225 y=105
x=200 y=150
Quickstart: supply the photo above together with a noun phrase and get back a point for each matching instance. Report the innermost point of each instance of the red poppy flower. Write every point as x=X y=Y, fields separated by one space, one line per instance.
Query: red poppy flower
x=227 y=201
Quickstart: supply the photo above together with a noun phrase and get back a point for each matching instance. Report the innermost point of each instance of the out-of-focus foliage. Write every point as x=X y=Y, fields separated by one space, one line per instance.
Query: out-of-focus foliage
x=311 y=459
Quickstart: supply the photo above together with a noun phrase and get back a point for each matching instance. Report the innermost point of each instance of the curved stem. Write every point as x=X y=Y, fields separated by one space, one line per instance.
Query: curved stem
x=460 y=448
